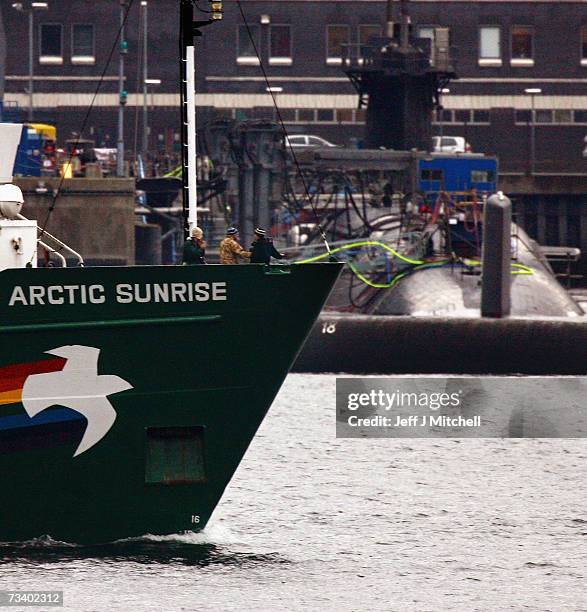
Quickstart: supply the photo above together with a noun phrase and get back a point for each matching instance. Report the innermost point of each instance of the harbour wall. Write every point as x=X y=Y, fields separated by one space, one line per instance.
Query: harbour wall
x=93 y=216
x=552 y=209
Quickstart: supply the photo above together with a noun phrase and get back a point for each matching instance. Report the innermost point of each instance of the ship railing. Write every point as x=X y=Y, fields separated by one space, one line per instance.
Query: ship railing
x=54 y=252
x=378 y=56
x=563 y=255
x=363 y=57
x=60 y=244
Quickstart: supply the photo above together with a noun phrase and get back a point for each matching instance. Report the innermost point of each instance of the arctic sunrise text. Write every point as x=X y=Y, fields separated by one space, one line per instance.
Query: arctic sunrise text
x=124 y=293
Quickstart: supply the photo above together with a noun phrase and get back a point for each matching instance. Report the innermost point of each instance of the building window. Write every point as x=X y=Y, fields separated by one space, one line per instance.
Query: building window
x=325 y=115
x=522 y=46
x=336 y=37
x=223 y=113
x=543 y=116
x=489 y=46
x=280 y=45
x=366 y=33
x=306 y=115
x=481 y=116
x=245 y=47
x=523 y=116
x=462 y=116
x=426 y=32
x=563 y=116
x=482 y=176
x=580 y=116
x=288 y=114
x=82 y=44
x=344 y=115
x=430 y=174
x=446 y=116
x=584 y=46
x=262 y=112
x=51 y=43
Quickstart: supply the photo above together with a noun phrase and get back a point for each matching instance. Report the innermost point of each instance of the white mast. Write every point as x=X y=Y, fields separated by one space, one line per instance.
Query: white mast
x=190 y=102
x=189 y=29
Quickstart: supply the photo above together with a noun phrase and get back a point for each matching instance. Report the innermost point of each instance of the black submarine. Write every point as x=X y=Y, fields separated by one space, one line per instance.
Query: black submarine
x=412 y=226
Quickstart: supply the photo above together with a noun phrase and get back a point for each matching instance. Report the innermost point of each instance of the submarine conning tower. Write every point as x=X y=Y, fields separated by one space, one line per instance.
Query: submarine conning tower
x=399 y=79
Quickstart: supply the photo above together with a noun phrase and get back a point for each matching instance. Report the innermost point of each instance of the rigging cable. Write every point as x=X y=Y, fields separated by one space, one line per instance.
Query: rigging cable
x=282 y=124
x=85 y=120
x=140 y=45
x=517 y=268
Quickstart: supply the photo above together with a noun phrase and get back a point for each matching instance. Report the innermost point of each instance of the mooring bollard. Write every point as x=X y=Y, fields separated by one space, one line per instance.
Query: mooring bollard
x=496 y=281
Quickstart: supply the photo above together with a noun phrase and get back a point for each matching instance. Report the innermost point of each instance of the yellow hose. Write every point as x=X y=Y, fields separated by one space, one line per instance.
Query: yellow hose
x=519 y=269
x=360 y=244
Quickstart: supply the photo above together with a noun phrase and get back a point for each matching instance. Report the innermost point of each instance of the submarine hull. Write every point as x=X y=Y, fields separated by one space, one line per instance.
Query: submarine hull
x=364 y=344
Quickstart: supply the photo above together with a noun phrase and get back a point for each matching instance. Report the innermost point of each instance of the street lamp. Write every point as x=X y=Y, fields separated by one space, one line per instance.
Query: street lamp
x=441 y=109
x=154 y=82
x=273 y=91
x=532 y=91
x=123 y=94
x=146 y=129
x=30 y=8
x=145 y=147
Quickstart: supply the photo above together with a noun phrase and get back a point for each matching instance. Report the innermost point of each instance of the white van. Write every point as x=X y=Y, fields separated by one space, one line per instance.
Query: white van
x=450 y=144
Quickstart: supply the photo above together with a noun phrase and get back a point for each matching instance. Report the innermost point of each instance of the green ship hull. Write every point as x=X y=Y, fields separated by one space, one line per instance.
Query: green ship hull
x=128 y=396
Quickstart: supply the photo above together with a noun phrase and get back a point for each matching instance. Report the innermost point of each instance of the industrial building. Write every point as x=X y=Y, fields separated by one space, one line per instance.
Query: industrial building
x=504 y=50
x=520 y=92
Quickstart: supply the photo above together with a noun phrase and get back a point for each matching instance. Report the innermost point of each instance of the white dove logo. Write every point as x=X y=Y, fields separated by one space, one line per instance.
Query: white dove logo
x=79 y=387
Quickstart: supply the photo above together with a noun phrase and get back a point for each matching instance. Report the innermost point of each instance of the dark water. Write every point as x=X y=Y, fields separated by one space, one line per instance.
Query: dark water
x=315 y=523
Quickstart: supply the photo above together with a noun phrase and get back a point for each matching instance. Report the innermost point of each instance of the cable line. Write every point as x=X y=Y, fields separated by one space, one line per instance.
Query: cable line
x=282 y=124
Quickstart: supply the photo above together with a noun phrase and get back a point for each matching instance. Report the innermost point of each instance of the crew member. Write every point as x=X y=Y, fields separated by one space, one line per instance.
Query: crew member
x=194 y=249
x=262 y=249
x=231 y=251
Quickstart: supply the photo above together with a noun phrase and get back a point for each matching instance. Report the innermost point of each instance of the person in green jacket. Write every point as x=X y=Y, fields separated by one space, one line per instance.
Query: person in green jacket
x=262 y=249
x=194 y=249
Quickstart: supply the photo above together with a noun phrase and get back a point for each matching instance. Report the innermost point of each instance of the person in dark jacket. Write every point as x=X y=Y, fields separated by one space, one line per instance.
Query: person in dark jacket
x=262 y=249
x=194 y=249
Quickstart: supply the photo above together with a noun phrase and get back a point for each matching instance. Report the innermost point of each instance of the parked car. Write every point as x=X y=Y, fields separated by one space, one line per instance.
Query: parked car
x=450 y=144
x=298 y=141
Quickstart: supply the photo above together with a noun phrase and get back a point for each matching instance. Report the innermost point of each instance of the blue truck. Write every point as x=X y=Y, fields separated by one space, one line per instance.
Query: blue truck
x=457 y=173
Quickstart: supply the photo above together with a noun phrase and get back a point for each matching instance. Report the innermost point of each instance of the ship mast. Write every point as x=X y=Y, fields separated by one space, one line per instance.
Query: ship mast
x=189 y=29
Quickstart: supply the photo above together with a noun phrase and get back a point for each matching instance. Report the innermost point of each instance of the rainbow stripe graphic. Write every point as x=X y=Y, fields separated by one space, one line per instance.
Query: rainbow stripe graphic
x=12 y=378
x=54 y=427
